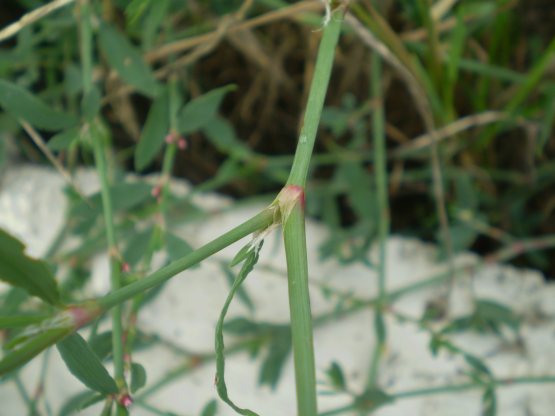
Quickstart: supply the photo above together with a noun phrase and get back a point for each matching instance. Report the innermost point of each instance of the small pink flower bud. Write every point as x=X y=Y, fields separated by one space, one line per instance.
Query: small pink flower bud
x=170 y=138
x=125 y=267
x=182 y=143
x=156 y=191
x=126 y=400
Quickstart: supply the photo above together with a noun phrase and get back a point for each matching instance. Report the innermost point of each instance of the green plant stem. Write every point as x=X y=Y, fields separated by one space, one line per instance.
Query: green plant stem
x=299 y=306
x=318 y=89
x=115 y=268
x=380 y=158
x=98 y=142
x=256 y=223
x=294 y=226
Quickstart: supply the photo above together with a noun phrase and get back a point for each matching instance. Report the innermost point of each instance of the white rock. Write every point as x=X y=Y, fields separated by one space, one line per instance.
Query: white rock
x=32 y=207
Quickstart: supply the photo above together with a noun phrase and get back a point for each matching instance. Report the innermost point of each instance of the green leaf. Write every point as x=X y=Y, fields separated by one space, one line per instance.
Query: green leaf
x=177 y=247
x=78 y=402
x=138 y=377
x=493 y=313
x=221 y=134
x=127 y=61
x=489 y=402
x=64 y=139
x=359 y=187
x=221 y=387
x=335 y=374
x=154 y=19
x=478 y=366
x=135 y=9
x=83 y=363
x=101 y=344
x=125 y=196
x=137 y=246
x=91 y=104
x=280 y=347
x=241 y=255
x=241 y=326
x=241 y=292
x=200 y=111
x=156 y=128
x=31 y=348
x=22 y=271
x=22 y=104
x=210 y=409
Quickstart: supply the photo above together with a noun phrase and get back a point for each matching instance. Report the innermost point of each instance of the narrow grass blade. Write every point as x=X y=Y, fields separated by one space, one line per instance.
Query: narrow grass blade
x=221 y=387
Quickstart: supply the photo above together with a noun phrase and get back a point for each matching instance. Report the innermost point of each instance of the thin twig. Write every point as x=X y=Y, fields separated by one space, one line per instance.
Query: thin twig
x=520 y=247
x=188 y=43
x=452 y=129
x=40 y=143
x=32 y=17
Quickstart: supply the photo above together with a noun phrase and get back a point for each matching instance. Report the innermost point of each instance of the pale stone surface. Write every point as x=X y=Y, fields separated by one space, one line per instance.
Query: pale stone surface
x=32 y=207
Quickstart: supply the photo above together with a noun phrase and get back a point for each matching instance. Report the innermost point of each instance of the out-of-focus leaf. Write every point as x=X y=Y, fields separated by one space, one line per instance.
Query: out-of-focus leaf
x=22 y=104
x=241 y=326
x=155 y=129
x=478 y=366
x=101 y=344
x=487 y=316
x=489 y=402
x=135 y=10
x=127 y=61
x=273 y=363
x=64 y=139
x=31 y=348
x=210 y=409
x=495 y=313
x=137 y=246
x=83 y=363
x=125 y=196
x=138 y=377
x=201 y=110
x=153 y=20
x=78 y=402
x=177 y=247
x=22 y=271
x=359 y=187
x=335 y=374
x=222 y=135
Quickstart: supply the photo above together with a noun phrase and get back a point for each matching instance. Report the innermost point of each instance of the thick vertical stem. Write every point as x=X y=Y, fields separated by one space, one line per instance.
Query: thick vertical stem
x=299 y=305
x=294 y=224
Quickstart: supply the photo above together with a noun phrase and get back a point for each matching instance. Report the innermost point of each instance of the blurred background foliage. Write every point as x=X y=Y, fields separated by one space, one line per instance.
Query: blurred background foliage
x=484 y=68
